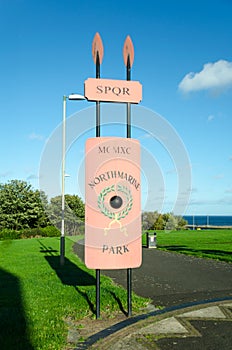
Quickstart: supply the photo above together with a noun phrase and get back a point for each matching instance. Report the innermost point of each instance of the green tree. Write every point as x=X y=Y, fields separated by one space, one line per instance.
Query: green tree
x=181 y=222
x=157 y=221
x=76 y=204
x=20 y=206
x=159 y=224
x=74 y=214
x=171 y=222
x=148 y=220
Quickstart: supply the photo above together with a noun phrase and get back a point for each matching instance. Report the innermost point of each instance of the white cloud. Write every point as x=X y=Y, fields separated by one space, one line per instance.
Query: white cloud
x=145 y=136
x=193 y=190
x=215 y=75
x=5 y=174
x=219 y=176
x=210 y=118
x=34 y=136
x=32 y=177
x=216 y=201
x=171 y=171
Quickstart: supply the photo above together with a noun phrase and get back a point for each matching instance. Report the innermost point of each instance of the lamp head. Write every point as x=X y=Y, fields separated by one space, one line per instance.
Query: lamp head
x=76 y=97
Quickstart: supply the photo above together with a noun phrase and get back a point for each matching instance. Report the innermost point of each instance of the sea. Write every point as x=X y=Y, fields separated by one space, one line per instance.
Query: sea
x=214 y=220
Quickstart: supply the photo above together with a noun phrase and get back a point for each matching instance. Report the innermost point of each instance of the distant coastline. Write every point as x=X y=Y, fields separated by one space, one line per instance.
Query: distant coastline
x=209 y=221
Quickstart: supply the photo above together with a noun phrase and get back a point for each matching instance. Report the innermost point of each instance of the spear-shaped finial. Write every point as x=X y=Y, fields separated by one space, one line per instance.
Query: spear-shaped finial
x=97 y=49
x=128 y=52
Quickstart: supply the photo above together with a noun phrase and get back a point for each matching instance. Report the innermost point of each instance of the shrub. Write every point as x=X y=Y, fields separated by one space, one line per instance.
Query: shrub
x=81 y=229
x=50 y=231
x=9 y=234
x=30 y=232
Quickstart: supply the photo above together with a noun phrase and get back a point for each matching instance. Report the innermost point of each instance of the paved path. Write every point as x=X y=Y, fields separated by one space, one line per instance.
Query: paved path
x=172 y=280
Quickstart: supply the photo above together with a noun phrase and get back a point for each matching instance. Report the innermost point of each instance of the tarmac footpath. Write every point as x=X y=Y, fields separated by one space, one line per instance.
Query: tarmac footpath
x=196 y=295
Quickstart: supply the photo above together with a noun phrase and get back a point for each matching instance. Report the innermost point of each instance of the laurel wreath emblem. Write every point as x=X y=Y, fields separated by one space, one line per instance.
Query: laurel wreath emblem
x=112 y=215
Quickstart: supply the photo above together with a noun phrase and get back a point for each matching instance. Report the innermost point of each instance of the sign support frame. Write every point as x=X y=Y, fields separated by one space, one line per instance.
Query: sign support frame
x=129 y=270
x=98 y=133
x=97 y=53
x=128 y=55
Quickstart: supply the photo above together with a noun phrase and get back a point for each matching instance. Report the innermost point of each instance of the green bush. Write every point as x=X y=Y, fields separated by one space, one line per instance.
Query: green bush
x=9 y=234
x=80 y=229
x=50 y=231
x=30 y=232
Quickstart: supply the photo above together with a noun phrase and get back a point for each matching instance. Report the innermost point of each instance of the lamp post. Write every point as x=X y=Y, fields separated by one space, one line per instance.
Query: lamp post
x=62 y=238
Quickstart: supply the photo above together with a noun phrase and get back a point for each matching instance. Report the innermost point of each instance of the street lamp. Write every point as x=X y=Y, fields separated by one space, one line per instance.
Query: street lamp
x=72 y=97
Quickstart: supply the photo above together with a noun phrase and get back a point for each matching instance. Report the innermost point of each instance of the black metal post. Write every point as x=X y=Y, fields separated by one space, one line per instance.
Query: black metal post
x=129 y=292
x=97 y=293
x=98 y=124
x=62 y=250
x=98 y=102
x=129 y=271
x=128 y=77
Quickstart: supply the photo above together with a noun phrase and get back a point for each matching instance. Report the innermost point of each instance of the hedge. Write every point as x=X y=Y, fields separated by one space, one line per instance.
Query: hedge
x=49 y=231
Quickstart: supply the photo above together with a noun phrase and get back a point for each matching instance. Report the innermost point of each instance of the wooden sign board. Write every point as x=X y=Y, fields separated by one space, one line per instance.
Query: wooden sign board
x=107 y=90
x=112 y=203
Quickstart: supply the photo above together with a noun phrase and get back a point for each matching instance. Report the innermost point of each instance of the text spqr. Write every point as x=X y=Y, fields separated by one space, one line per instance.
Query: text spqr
x=116 y=90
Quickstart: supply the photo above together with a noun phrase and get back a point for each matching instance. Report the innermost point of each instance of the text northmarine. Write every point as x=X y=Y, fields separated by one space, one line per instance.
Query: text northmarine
x=114 y=174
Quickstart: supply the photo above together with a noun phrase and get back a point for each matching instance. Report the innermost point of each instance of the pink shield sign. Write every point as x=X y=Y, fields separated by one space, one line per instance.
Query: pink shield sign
x=112 y=203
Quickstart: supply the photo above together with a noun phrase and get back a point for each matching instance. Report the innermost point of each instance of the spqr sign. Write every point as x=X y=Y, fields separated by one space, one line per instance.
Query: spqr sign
x=113 y=208
x=109 y=90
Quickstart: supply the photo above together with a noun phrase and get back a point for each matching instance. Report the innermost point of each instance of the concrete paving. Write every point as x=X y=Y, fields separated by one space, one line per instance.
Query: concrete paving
x=197 y=298
x=180 y=330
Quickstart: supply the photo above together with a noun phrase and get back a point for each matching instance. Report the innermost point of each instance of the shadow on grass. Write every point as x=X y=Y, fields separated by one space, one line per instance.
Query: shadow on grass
x=72 y=275
x=46 y=250
x=119 y=303
x=69 y=273
x=78 y=249
x=85 y=295
x=13 y=325
x=211 y=253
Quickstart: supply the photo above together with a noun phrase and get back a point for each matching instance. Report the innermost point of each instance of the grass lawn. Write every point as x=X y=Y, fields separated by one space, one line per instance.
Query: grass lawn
x=215 y=244
x=38 y=296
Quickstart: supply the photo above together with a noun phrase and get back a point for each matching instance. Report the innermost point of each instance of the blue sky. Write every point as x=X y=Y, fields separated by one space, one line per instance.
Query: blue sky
x=183 y=59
